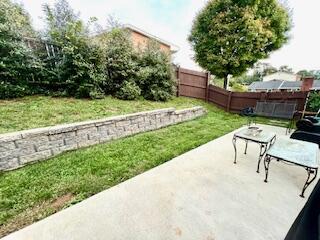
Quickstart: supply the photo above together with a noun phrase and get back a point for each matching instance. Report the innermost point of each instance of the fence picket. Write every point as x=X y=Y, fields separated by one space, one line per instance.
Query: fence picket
x=196 y=85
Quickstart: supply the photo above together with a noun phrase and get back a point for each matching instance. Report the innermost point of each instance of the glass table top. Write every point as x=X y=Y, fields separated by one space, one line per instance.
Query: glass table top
x=295 y=151
x=263 y=137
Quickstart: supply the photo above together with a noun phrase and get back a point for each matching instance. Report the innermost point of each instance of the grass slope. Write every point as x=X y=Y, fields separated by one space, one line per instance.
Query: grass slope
x=36 y=191
x=40 y=111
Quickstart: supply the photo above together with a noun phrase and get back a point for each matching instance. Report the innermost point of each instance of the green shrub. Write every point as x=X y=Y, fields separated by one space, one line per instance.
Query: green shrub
x=120 y=59
x=18 y=65
x=89 y=91
x=129 y=91
x=155 y=75
x=81 y=68
x=82 y=64
x=156 y=93
x=314 y=102
x=8 y=90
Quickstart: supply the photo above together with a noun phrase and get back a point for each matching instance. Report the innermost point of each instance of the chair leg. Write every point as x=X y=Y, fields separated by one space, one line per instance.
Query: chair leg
x=290 y=126
x=310 y=172
x=267 y=160
x=245 y=150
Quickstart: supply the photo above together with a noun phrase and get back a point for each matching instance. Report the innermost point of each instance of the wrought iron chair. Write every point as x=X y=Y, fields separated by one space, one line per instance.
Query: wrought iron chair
x=282 y=110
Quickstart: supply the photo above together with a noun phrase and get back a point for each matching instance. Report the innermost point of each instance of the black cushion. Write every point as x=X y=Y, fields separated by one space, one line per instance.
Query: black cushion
x=307 y=224
x=312 y=137
x=249 y=111
x=312 y=119
x=305 y=125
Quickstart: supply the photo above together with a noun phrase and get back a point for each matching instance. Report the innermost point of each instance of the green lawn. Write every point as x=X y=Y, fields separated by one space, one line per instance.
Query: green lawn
x=40 y=111
x=36 y=191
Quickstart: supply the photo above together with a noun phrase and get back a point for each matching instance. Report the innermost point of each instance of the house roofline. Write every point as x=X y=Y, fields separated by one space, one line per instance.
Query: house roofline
x=174 y=47
x=280 y=85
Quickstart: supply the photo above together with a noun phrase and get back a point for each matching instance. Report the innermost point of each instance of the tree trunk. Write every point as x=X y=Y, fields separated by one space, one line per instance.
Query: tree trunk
x=225 y=83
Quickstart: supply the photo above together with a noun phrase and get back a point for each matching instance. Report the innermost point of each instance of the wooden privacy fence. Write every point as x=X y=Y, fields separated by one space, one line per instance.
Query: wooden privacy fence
x=192 y=83
x=236 y=101
x=196 y=85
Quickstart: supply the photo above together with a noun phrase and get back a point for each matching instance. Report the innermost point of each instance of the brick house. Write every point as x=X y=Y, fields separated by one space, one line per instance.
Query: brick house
x=140 y=39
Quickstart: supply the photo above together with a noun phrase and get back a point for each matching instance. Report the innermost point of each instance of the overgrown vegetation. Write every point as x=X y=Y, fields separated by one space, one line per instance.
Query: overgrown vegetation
x=155 y=75
x=314 y=102
x=83 y=67
x=121 y=60
x=18 y=65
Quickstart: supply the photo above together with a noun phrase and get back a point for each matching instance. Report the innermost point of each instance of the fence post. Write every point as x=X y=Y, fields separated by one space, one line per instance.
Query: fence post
x=262 y=96
x=178 y=81
x=207 y=86
x=229 y=101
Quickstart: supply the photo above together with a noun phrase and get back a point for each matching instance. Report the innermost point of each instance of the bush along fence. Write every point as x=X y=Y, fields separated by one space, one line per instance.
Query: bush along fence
x=20 y=148
x=196 y=85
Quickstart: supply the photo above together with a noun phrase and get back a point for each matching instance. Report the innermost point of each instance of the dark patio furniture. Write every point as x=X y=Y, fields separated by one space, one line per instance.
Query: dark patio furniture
x=307 y=224
x=306 y=136
x=250 y=114
x=308 y=129
x=282 y=110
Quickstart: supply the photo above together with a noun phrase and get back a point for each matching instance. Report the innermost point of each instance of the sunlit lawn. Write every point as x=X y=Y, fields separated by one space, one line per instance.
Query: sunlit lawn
x=41 y=111
x=36 y=191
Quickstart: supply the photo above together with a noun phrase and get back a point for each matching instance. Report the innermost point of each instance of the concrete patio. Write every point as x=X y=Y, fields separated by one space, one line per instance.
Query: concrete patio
x=198 y=195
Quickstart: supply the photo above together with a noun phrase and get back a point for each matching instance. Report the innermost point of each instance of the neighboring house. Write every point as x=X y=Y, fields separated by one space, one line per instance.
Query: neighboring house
x=269 y=86
x=285 y=86
x=283 y=76
x=140 y=39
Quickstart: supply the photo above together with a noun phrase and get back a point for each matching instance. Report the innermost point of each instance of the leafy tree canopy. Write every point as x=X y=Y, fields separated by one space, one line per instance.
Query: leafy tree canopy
x=286 y=69
x=230 y=36
x=312 y=73
x=58 y=18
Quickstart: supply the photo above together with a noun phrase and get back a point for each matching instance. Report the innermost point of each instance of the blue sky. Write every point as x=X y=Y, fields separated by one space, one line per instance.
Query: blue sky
x=172 y=19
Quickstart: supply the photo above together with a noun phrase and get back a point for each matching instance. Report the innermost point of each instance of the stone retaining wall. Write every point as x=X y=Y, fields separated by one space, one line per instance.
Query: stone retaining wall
x=20 y=148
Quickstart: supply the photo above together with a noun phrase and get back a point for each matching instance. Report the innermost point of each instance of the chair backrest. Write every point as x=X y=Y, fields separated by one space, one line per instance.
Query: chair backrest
x=265 y=109
x=284 y=110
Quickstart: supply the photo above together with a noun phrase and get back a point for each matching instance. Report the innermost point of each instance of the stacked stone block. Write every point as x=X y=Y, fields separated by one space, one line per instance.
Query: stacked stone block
x=20 y=148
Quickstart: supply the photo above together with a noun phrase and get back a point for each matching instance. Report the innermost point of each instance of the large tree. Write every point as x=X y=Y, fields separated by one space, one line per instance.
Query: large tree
x=230 y=36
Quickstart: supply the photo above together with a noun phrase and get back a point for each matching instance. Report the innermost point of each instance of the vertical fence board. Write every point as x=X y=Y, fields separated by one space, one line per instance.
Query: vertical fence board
x=192 y=83
x=196 y=85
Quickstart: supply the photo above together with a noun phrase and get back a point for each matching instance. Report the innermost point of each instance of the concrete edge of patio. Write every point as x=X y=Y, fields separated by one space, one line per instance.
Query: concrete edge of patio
x=197 y=195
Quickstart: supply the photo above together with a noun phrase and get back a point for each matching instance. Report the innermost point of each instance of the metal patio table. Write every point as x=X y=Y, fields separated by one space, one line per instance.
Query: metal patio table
x=295 y=152
x=264 y=139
